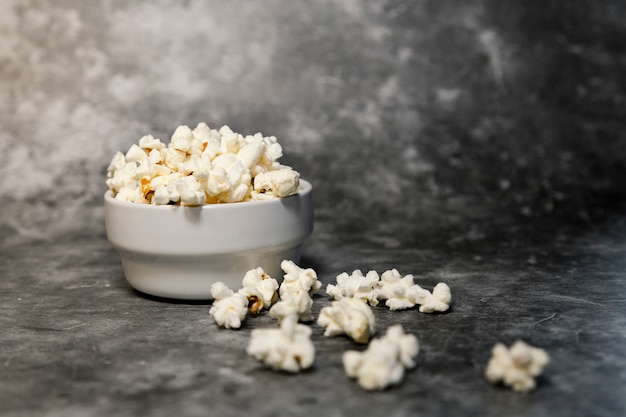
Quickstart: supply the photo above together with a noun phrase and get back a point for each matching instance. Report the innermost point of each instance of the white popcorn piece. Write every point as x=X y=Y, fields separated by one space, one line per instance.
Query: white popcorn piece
x=288 y=348
x=350 y=316
x=218 y=182
x=278 y=183
x=130 y=195
x=399 y=291
x=296 y=303
x=175 y=159
x=197 y=166
x=117 y=163
x=149 y=143
x=250 y=153
x=143 y=169
x=164 y=187
x=190 y=192
x=296 y=278
x=238 y=177
x=202 y=132
x=254 y=297
x=260 y=289
x=231 y=142
x=355 y=285
x=120 y=174
x=295 y=292
x=135 y=154
x=157 y=157
x=437 y=301
x=182 y=138
x=161 y=196
x=273 y=151
x=229 y=308
x=516 y=367
x=209 y=138
x=384 y=361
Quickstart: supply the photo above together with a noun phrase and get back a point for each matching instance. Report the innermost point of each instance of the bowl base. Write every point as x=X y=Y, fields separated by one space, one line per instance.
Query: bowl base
x=191 y=278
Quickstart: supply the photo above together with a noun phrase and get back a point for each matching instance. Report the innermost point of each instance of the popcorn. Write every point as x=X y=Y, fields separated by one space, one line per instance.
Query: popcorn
x=254 y=297
x=296 y=278
x=135 y=154
x=399 y=291
x=225 y=165
x=149 y=143
x=280 y=183
x=120 y=174
x=164 y=188
x=198 y=166
x=260 y=289
x=384 y=361
x=349 y=316
x=229 y=308
x=218 y=182
x=355 y=285
x=237 y=176
x=295 y=292
x=273 y=151
x=439 y=300
x=182 y=138
x=230 y=142
x=174 y=159
x=288 y=348
x=297 y=303
x=250 y=154
x=131 y=195
x=190 y=193
x=516 y=367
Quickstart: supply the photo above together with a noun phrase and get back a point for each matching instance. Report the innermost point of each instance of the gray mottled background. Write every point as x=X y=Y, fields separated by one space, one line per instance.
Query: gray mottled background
x=387 y=107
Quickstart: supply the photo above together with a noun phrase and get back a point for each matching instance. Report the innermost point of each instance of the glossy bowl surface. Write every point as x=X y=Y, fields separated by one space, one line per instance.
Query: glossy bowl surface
x=180 y=251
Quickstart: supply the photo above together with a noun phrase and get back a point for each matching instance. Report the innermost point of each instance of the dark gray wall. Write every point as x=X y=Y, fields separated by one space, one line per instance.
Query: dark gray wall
x=387 y=107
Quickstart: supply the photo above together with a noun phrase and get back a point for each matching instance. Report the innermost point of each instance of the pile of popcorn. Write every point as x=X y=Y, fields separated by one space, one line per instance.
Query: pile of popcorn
x=385 y=360
x=201 y=166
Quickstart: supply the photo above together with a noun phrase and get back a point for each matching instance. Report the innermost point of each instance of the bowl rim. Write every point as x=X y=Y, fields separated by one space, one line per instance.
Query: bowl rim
x=305 y=188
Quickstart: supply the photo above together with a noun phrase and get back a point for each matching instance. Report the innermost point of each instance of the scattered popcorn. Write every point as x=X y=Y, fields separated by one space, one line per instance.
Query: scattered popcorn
x=384 y=361
x=297 y=302
x=288 y=348
x=296 y=278
x=260 y=289
x=212 y=166
x=349 y=316
x=229 y=308
x=295 y=292
x=438 y=301
x=356 y=285
x=516 y=367
x=398 y=291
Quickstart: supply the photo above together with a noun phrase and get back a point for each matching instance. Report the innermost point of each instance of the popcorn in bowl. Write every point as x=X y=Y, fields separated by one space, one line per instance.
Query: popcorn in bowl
x=201 y=166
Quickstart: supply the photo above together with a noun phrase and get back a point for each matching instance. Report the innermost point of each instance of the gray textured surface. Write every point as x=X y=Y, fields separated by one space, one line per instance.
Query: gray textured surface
x=475 y=143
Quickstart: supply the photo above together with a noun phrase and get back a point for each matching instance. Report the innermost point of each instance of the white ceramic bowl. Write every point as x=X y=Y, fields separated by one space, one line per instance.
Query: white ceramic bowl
x=180 y=251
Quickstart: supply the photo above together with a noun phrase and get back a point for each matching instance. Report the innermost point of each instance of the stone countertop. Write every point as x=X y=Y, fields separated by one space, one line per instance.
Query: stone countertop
x=481 y=144
x=77 y=340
